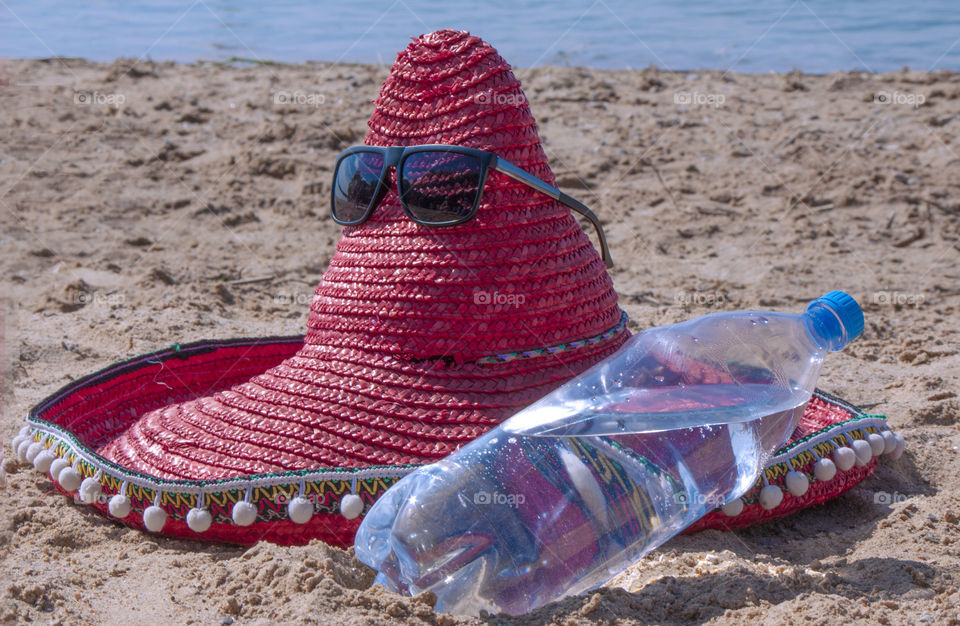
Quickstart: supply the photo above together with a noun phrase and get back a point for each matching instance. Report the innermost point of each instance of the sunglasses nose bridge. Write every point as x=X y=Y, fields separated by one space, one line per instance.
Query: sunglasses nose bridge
x=391 y=156
x=391 y=163
x=390 y=178
x=387 y=182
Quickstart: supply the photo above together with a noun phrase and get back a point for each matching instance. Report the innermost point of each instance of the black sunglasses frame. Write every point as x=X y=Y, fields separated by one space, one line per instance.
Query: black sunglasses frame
x=396 y=156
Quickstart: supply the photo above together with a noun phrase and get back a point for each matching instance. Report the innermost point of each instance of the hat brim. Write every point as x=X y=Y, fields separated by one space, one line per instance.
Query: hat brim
x=76 y=420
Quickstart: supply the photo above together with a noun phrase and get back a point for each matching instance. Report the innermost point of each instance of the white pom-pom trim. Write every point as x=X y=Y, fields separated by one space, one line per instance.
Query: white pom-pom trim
x=90 y=490
x=733 y=508
x=889 y=441
x=844 y=458
x=797 y=483
x=119 y=506
x=351 y=506
x=898 y=450
x=770 y=497
x=43 y=461
x=33 y=450
x=824 y=470
x=244 y=513
x=69 y=479
x=58 y=465
x=877 y=443
x=863 y=451
x=22 y=449
x=199 y=520
x=154 y=518
x=300 y=510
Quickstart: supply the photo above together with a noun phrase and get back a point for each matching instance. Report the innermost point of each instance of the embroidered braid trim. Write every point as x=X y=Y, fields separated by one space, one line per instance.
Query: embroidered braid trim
x=327 y=487
x=557 y=349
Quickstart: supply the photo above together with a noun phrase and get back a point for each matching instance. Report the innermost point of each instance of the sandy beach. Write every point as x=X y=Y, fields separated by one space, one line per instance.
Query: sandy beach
x=144 y=204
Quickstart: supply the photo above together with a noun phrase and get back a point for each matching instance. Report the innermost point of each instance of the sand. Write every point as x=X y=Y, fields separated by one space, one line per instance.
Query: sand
x=130 y=199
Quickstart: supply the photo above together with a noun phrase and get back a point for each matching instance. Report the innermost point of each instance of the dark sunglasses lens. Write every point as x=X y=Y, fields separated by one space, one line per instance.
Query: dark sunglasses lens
x=355 y=184
x=440 y=187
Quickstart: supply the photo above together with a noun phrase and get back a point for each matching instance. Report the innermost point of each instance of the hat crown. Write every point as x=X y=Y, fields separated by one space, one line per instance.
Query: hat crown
x=520 y=275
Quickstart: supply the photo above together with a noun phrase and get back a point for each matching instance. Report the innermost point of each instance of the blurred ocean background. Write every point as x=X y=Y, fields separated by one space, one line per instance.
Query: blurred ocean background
x=814 y=36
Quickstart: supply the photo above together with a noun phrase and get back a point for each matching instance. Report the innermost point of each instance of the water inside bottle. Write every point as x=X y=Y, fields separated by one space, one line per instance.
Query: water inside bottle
x=516 y=520
x=655 y=409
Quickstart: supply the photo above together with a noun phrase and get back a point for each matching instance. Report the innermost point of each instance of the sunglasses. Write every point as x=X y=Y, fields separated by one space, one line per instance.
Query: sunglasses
x=438 y=185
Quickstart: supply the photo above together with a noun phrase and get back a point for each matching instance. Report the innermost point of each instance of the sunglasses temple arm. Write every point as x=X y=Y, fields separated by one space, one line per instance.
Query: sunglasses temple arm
x=506 y=167
x=582 y=209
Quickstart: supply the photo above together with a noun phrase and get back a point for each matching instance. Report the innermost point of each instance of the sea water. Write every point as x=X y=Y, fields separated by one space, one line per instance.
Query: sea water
x=740 y=35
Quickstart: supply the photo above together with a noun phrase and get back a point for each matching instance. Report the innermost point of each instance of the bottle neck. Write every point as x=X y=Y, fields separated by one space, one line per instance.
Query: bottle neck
x=825 y=327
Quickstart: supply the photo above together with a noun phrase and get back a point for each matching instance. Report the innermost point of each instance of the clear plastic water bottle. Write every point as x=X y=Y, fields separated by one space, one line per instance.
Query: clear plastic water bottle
x=576 y=487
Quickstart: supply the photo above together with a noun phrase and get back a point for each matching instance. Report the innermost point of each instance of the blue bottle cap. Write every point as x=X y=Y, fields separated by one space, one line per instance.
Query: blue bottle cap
x=846 y=309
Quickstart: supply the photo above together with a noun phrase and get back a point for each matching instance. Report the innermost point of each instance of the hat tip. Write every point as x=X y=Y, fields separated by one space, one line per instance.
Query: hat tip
x=437 y=38
x=442 y=44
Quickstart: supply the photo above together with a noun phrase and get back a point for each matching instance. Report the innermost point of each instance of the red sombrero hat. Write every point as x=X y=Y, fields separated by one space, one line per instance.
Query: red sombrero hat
x=419 y=339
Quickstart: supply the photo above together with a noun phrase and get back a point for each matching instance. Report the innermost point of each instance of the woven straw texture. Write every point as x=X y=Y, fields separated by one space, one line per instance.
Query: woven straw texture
x=388 y=372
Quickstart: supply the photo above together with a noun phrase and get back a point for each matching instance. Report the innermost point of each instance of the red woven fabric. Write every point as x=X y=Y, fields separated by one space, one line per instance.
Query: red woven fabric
x=387 y=373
